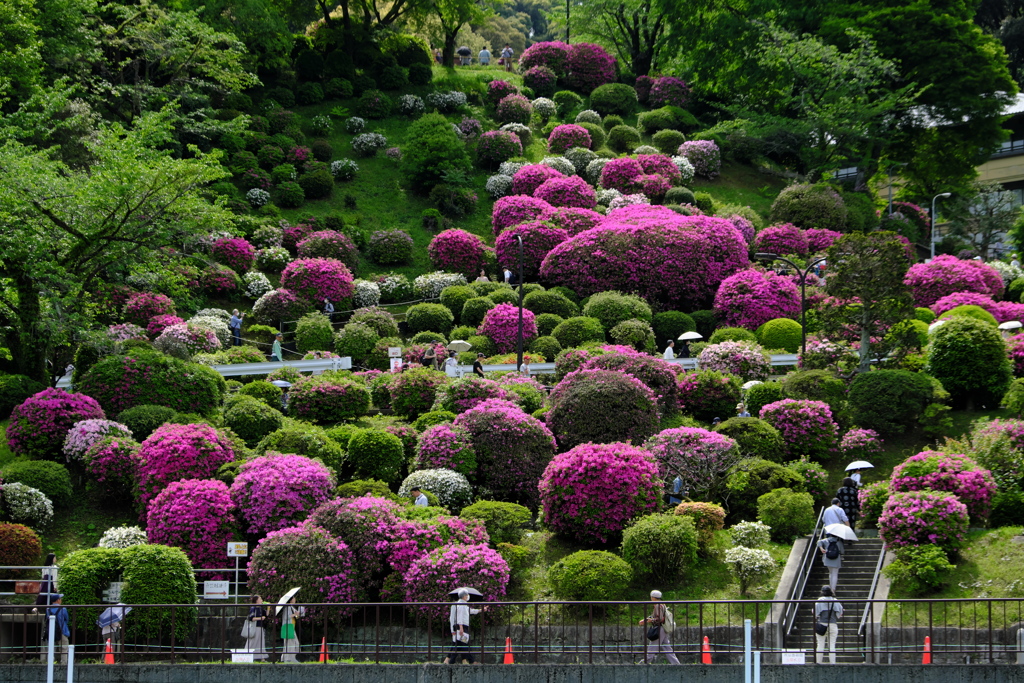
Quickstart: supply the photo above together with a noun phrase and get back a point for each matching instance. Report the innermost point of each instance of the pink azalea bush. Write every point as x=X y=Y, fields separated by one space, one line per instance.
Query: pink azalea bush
x=446 y=446
x=512 y=449
x=552 y=54
x=279 y=305
x=497 y=90
x=823 y=354
x=411 y=540
x=587 y=66
x=567 y=136
x=923 y=518
x=807 y=427
x=126 y=331
x=366 y=525
x=496 y=146
x=951 y=301
x=601 y=406
x=38 y=426
x=782 y=239
x=946 y=275
x=275 y=491
x=572 y=191
x=87 y=432
x=704 y=155
x=514 y=109
x=159 y=323
x=141 y=307
x=655 y=373
x=501 y=325
x=619 y=174
x=184 y=340
x=196 y=516
x=669 y=91
x=174 y=452
x=234 y=252
x=457 y=251
x=593 y=491
x=527 y=179
x=820 y=239
x=697 y=456
x=1015 y=350
x=653 y=186
x=858 y=443
x=515 y=209
x=433 y=577
x=293 y=234
x=330 y=244
x=660 y=164
x=575 y=220
x=464 y=393
x=538 y=239
x=746 y=360
x=953 y=472
x=743 y=224
x=751 y=298
x=111 y=462
x=316 y=279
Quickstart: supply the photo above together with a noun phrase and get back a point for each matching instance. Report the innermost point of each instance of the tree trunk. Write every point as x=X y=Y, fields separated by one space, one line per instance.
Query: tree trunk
x=865 y=341
x=31 y=342
x=642 y=63
x=448 y=51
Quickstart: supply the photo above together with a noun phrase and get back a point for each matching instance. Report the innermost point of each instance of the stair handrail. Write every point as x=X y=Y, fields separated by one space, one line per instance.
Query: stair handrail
x=869 y=606
x=796 y=592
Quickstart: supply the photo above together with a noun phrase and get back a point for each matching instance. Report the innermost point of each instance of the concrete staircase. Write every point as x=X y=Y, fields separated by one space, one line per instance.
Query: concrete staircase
x=855 y=577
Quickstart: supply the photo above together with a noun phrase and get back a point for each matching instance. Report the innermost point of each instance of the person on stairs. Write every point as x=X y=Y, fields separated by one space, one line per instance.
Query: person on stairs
x=835 y=514
x=827 y=612
x=831 y=548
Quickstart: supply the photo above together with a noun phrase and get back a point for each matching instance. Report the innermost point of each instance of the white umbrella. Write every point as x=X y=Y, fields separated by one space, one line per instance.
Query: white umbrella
x=842 y=531
x=936 y=325
x=1011 y=325
x=281 y=383
x=859 y=465
x=752 y=383
x=690 y=336
x=285 y=598
x=459 y=345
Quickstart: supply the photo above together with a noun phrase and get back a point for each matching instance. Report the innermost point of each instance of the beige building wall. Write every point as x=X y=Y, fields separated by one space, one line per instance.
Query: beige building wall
x=1004 y=170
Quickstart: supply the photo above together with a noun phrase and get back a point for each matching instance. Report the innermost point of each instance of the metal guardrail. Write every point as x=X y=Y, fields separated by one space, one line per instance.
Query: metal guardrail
x=874 y=585
x=803 y=575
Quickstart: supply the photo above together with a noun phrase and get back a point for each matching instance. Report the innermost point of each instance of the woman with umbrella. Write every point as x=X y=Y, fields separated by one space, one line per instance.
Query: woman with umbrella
x=290 y=615
x=458 y=619
x=465 y=54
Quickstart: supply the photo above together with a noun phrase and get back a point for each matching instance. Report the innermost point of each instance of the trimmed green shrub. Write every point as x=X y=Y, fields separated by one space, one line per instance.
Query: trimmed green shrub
x=816 y=385
x=14 y=389
x=756 y=438
x=365 y=487
x=19 y=545
x=668 y=325
x=84 y=574
x=704 y=201
x=546 y=323
x=377 y=319
x=780 y=333
x=430 y=317
x=566 y=101
x=623 y=139
x=455 y=297
x=356 y=340
x=546 y=346
x=413 y=391
x=789 y=514
x=505 y=295
x=611 y=308
x=665 y=118
x=505 y=522
x=550 y=302
x=761 y=395
x=434 y=417
x=926 y=315
x=313 y=332
x=635 y=333
x=158 y=575
x=432 y=147
x=889 y=401
x=143 y=420
x=52 y=478
x=1007 y=509
x=732 y=334
x=289 y=195
x=611 y=120
x=252 y=419
x=707 y=394
x=668 y=141
x=661 y=547
x=597 y=134
x=264 y=391
x=304 y=439
x=590 y=575
x=474 y=310
x=613 y=98
x=810 y=206
x=318 y=184
x=970 y=311
x=919 y=569
x=577 y=331
x=376 y=454
x=428 y=338
x=752 y=478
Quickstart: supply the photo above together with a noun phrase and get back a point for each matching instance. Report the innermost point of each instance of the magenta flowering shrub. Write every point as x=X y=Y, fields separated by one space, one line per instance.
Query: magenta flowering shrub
x=330 y=244
x=923 y=518
x=746 y=360
x=411 y=540
x=951 y=301
x=126 y=331
x=945 y=275
x=587 y=66
x=509 y=211
x=111 y=462
x=464 y=393
x=413 y=391
x=591 y=492
x=512 y=450
x=218 y=280
x=365 y=524
x=316 y=279
x=527 y=179
x=540 y=79
x=87 y=432
x=823 y=354
x=432 y=577
x=39 y=425
x=697 y=456
x=782 y=239
x=1007 y=310
x=707 y=394
x=643 y=87
x=567 y=136
x=655 y=373
x=278 y=305
x=196 y=516
x=538 y=239
x=141 y=307
x=572 y=191
x=820 y=239
x=174 y=452
x=807 y=427
x=1015 y=351
x=498 y=90
x=457 y=251
x=704 y=155
x=651 y=185
x=743 y=224
x=501 y=325
x=446 y=446
x=275 y=491
x=293 y=234
x=496 y=146
x=660 y=164
x=751 y=298
x=159 y=323
x=651 y=251
x=574 y=220
x=514 y=109
x=858 y=443
x=619 y=174
x=601 y=406
x=952 y=472
x=553 y=55
x=669 y=91
x=187 y=339
x=235 y=253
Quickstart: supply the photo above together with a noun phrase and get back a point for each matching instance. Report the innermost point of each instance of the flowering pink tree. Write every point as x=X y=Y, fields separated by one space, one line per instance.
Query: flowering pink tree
x=587 y=66
x=746 y=360
x=923 y=518
x=619 y=174
x=552 y=54
x=39 y=425
x=501 y=325
x=697 y=456
x=601 y=406
x=446 y=446
x=174 y=452
x=196 y=516
x=527 y=179
x=572 y=191
x=958 y=474
x=457 y=251
x=316 y=279
x=751 y=298
x=784 y=239
x=807 y=427
x=946 y=274
x=234 y=252
x=275 y=491
x=515 y=209
x=567 y=136
x=141 y=307
x=538 y=239
x=432 y=578
x=591 y=492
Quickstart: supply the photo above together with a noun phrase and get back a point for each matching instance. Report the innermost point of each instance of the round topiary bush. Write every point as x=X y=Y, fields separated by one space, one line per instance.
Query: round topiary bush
x=571 y=192
x=464 y=393
x=413 y=391
x=612 y=308
x=550 y=302
x=516 y=209
x=810 y=206
x=19 y=545
x=276 y=491
x=376 y=454
x=501 y=325
x=783 y=238
x=313 y=332
x=592 y=491
x=751 y=298
x=196 y=516
x=707 y=394
x=623 y=139
x=378 y=319
x=945 y=275
x=754 y=437
x=752 y=478
x=707 y=519
x=429 y=317
x=111 y=463
x=445 y=446
x=330 y=244
x=918 y=518
x=143 y=306
x=661 y=547
x=567 y=136
x=952 y=472
x=451 y=488
x=780 y=333
x=51 y=478
x=788 y=514
x=889 y=401
x=474 y=310
x=179 y=451
x=356 y=340
x=601 y=406
x=316 y=279
x=969 y=358
x=303 y=439
x=697 y=457
x=143 y=420
x=457 y=251
x=576 y=331
x=235 y=253
x=505 y=522
x=39 y=425
x=590 y=575
x=86 y=432
x=279 y=305
x=328 y=398
x=252 y=419
x=807 y=427
x=761 y=394
x=513 y=109
x=497 y=146
x=429 y=579
x=614 y=98
x=539 y=238
x=746 y=360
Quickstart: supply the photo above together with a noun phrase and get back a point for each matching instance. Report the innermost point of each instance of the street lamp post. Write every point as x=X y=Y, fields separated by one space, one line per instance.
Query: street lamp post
x=567 y=21
x=803 y=290
x=932 y=240
x=519 y=340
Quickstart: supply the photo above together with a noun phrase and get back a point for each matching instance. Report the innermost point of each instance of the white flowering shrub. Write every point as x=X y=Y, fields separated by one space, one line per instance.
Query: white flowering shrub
x=266 y=236
x=26 y=505
x=429 y=286
x=368 y=144
x=122 y=537
x=255 y=284
x=410 y=105
x=499 y=186
x=272 y=259
x=145 y=281
x=606 y=197
x=509 y=168
x=544 y=107
x=588 y=116
x=749 y=565
x=593 y=172
x=451 y=488
x=355 y=125
x=344 y=169
x=458 y=131
x=221 y=313
x=1007 y=271
x=366 y=294
x=646 y=149
x=446 y=102
x=580 y=158
x=560 y=164
x=214 y=323
x=628 y=200
x=685 y=168
x=257 y=197
x=394 y=288
x=522 y=132
x=750 y=534
x=322 y=125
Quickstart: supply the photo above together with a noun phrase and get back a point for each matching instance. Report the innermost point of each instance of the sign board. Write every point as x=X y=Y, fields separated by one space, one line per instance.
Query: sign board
x=113 y=593
x=394 y=352
x=794 y=657
x=242 y=658
x=216 y=590
x=27 y=587
x=396 y=363
x=238 y=549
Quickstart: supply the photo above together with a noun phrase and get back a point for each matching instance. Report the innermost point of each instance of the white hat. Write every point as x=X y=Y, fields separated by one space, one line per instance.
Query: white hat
x=656 y=594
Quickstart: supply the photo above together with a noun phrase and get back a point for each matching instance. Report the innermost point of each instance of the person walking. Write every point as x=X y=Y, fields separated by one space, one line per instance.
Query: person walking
x=506 y=57
x=670 y=351
x=661 y=618
x=507 y=275
x=458 y=619
x=275 y=350
x=451 y=365
x=831 y=549
x=835 y=514
x=48 y=585
x=62 y=630
x=256 y=641
x=855 y=475
x=848 y=500
x=478 y=365
x=827 y=612
x=290 y=630
x=484 y=57
x=235 y=324
x=429 y=359
x=483 y=277
x=329 y=309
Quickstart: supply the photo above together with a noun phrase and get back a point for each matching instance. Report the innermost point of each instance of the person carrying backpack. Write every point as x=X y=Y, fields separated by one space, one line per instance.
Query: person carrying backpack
x=660 y=625
x=832 y=550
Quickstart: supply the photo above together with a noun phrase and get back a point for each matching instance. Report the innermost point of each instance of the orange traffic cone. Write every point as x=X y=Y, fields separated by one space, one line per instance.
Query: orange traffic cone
x=509 y=659
x=323 y=650
x=705 y=657
x=108 y=656
x=926 y=658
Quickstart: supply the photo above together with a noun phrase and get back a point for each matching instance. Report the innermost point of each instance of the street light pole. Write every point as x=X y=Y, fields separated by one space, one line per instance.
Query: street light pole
x=932 y=240
x=803 y=290
x=567 y=21
x=519 y=340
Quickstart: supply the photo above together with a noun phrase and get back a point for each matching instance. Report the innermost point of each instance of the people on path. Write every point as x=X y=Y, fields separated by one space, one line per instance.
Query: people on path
x=684 y=350
x=508 y=276
x=256 y=643
x=430 y=357
x=662 y=618
x=48 y=585
x=835 y=514
x=483 y=277
x=828 y=547
x=670 y=352
x=484 y=57
x=235 y=324
x=478 y=365
x=451 y=365
x=827 y=611
x=506 y=57
x=275 y=350
x=741 y=410
x=458 y=619
x=675 y=497
x=524 y=369
x=329 y=309
x=62 y=629
x=418 y=498
x=290 y=630
x=855 y=475
x=848 y=499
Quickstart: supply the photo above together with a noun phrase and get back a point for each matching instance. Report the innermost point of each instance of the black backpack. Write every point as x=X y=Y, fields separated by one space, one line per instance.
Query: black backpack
x=832 y=549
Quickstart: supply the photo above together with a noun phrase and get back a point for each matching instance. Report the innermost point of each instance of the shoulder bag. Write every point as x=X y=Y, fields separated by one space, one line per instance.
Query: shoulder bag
x=248 y=629
x=654 y=632
x=821 y=627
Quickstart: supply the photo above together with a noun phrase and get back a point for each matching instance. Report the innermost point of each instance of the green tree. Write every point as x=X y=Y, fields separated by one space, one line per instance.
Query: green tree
x=20 y=60
x=983 y=216
x=636 y=29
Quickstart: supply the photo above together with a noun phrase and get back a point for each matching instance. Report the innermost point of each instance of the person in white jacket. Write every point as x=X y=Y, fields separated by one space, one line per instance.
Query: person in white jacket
x=458 y=619
x=670 y=351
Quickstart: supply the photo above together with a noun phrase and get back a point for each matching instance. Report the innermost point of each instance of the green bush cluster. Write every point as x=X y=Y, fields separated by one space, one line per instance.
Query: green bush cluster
x=474 y=310
x=780 y=333
x=430 y=317
x=52 y=478
x=14 y=389
x=889 y=401
x=576 y=331
x=756 y=438
x=304 y=439
x=376 y=454
x=623 y=139
x=662 y=547
x=751 y=479
x=313 y=332
x=590 y=575
x=252 y=419
x=613 y=98
x=505 y=522
x=788 y=513
x=761 y=395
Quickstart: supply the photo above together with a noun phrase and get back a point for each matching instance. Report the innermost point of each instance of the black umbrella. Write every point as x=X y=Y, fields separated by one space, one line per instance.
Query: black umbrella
x=464 y=51
x=474 y=594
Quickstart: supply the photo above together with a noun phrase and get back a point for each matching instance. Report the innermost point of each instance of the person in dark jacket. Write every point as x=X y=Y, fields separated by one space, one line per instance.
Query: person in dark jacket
x=478 y=365
x=848 y=500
